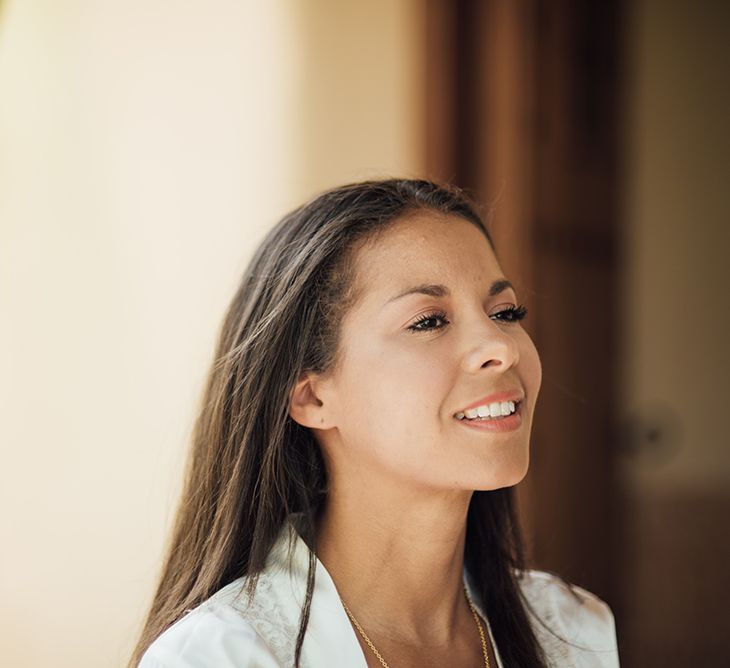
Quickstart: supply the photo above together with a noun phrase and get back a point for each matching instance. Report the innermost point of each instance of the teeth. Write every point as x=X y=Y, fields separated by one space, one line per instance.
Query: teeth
x=493 y=410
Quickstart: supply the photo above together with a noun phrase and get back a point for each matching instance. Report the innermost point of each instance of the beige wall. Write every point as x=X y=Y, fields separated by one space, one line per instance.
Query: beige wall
x=674 y=543
x=144 y=147
x=361 y=90
x=675 y=325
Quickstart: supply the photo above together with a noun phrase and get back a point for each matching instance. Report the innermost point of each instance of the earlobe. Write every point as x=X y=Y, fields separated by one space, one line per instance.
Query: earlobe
x=305 y=407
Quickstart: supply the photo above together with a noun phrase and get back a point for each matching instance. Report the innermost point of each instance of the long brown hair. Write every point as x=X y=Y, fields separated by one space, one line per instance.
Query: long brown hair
x=251 y=466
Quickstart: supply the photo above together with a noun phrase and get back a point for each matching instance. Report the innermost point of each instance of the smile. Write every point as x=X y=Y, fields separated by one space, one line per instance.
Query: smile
x=499 y=423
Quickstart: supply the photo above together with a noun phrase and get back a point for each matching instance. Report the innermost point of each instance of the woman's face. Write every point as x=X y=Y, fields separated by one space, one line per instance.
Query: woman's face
x=390 y=405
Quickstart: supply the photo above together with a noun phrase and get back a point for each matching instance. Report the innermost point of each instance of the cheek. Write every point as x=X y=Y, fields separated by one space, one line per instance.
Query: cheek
x=399 y=378
x=531 y=366
x=392 y=403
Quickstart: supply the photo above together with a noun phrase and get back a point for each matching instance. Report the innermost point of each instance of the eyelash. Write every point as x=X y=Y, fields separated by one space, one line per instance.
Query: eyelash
x=516 y=313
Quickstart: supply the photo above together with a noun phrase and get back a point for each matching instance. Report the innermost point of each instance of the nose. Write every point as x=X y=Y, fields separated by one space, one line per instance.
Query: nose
x=491 y=344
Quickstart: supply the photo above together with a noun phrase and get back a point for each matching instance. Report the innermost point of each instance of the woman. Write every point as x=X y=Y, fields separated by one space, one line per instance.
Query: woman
x=349 y=495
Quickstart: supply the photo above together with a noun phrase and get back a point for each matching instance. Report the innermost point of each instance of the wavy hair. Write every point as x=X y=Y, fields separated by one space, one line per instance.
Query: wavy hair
x=251 y=466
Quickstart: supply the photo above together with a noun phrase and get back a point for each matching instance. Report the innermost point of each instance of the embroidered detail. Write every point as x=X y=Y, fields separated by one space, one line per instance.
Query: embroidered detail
x=265 y=614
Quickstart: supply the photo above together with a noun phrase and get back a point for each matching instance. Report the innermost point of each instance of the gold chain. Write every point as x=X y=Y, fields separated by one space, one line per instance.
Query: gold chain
x=382 y=660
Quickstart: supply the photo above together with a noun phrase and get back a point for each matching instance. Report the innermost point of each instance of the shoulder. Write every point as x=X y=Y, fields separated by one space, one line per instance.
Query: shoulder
x=212 y=634
x=575 y=614
x=549 y=592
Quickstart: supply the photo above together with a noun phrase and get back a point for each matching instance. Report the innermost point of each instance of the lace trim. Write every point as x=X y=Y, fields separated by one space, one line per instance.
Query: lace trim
x=264 y=613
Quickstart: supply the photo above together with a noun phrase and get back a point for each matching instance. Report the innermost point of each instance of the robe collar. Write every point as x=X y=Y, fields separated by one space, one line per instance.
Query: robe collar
x=330 y=639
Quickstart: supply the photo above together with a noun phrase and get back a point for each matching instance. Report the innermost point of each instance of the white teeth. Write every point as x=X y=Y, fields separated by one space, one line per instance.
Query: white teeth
x=495 y=409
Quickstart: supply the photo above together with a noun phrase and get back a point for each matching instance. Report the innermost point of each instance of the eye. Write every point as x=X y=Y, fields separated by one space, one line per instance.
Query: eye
x=511 y=314
x=428 y=317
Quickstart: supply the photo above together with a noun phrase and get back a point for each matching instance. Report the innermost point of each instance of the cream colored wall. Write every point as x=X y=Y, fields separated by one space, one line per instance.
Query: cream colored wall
x=361 y=113
x=675 y=324
x=145 y=146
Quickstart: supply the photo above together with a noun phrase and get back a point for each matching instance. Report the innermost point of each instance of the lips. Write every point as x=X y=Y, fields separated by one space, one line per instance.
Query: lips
x=505 y=395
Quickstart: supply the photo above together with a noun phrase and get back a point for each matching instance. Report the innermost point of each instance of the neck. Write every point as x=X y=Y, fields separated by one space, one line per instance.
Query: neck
x=397 y=560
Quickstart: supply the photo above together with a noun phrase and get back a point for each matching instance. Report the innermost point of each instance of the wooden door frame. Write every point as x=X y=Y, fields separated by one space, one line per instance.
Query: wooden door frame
x=523 y=110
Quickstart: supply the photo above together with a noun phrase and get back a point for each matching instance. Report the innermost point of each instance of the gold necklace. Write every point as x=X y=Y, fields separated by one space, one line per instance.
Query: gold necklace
x=382 y=660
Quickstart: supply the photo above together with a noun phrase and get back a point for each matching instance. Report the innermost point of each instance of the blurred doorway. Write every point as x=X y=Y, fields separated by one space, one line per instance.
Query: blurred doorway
x=675 y=469
x=523 y=101
x=598 y=129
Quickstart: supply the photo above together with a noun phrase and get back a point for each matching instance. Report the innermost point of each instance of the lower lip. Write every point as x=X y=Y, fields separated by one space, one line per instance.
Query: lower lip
x=509 y=423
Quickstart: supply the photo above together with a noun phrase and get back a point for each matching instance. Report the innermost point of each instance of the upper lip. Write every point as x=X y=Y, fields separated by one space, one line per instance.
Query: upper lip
x=505 y=395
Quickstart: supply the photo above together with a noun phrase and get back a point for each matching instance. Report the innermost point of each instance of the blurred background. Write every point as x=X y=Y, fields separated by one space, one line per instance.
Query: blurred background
x=147 y=146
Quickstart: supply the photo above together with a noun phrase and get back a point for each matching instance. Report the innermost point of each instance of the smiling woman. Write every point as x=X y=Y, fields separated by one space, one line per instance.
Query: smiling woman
x=349 y=496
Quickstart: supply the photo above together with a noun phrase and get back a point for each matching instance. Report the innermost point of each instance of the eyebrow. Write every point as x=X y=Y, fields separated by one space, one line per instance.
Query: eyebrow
x=438 y=290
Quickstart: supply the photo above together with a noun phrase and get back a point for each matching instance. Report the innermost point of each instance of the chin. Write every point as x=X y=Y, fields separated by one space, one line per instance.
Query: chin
x=508 y=477
x=517 y=478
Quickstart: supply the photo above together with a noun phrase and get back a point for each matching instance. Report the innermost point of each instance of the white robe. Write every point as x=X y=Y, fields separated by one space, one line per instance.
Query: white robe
x=225 y=632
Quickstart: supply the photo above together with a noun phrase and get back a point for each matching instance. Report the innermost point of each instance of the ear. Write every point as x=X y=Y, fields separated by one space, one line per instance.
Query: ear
x=305 y=406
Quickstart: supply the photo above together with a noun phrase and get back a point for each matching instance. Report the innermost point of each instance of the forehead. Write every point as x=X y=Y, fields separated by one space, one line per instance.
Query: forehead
x=424 y=247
